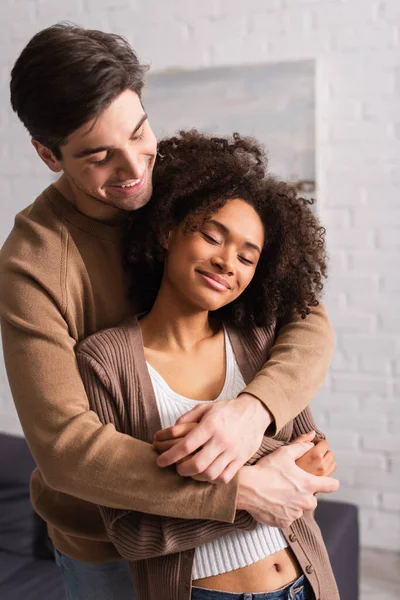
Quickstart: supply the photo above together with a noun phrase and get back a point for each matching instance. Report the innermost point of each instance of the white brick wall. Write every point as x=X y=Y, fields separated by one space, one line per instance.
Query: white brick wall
x=356 y=47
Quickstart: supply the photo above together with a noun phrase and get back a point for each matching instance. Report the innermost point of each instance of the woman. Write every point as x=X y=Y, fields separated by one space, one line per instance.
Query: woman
x=222 y=254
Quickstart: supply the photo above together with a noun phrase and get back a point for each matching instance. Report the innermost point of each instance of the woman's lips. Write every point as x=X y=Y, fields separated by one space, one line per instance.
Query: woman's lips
x=216 y=282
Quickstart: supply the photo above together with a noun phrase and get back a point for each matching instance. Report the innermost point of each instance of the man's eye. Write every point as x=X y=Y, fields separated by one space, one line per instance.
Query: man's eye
x=139 y=136
x=102 y=160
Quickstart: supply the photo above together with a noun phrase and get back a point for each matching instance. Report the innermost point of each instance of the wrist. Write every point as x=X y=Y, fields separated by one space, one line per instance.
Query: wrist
x=264 y=415
x=244 y=488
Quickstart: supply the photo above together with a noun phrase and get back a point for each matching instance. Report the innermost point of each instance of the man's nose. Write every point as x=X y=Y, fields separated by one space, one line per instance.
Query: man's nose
x=131 y=165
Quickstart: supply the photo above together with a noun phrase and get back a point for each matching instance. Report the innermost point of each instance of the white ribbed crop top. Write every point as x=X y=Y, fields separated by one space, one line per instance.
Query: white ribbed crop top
x=240 y=548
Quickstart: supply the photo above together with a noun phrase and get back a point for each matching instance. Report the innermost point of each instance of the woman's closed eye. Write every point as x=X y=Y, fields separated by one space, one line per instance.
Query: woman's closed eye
x=246 y=261
x=210 y=239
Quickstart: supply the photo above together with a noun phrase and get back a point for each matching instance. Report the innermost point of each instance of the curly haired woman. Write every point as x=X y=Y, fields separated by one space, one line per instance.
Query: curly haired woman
x=223 y=254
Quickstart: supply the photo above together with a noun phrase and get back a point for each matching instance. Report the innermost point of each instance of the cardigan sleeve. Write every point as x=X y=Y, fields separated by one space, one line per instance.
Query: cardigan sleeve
x=304 y=423
x=296 y=367
x=137 y=536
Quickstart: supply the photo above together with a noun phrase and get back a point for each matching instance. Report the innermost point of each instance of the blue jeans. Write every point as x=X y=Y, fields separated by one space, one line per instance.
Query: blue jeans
x=299 y=590
x=105 y=581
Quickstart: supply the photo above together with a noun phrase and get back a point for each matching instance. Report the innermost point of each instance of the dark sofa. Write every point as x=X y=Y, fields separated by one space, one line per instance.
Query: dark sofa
x=27 y=571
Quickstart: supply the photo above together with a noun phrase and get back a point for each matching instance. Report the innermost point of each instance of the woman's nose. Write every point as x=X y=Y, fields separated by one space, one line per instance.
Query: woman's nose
x=224 y=263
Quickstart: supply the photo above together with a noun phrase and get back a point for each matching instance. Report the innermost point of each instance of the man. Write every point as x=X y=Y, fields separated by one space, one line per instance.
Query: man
x=61 y=279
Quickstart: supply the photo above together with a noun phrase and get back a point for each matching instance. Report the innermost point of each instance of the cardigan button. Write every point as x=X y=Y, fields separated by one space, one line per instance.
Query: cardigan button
x=293 y=537
x=309 y=569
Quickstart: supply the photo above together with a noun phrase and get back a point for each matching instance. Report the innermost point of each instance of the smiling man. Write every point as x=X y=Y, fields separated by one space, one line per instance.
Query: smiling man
x=78 y=93
x=117 y=175
x=106 y=162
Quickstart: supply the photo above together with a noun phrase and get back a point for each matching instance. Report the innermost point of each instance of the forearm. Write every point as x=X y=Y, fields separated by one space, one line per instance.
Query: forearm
x=296 y=368
x=79 y=456
x=265 y=416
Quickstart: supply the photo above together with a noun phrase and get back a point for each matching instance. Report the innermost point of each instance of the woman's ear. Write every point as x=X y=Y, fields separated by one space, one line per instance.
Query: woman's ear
x=165 y=239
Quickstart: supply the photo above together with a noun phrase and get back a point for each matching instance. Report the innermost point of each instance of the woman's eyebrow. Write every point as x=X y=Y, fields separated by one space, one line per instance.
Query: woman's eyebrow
x=227 y=231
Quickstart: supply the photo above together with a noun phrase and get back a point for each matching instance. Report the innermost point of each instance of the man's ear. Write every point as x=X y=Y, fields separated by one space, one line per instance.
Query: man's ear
x=47 y=156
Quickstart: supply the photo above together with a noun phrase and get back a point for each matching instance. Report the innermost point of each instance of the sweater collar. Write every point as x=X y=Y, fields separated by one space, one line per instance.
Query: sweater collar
x=68 y=212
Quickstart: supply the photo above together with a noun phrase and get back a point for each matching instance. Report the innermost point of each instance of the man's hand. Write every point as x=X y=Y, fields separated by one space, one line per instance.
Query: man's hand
x=275 y=491
x=319 y=460
x=227 y=434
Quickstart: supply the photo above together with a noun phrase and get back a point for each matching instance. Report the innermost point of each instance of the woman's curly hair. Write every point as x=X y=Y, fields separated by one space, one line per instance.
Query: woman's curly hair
x=194 y=176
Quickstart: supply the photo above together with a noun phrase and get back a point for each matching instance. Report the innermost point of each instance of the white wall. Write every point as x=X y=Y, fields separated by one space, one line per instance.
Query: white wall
x=356 y=46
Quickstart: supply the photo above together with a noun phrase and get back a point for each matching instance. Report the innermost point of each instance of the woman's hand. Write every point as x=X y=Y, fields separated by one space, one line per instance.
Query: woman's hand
x=275 y=491
x=320 y=460
x=167 y=438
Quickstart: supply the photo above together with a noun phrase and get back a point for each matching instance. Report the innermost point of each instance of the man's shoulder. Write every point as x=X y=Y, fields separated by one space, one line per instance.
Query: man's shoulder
x=33 y=261
x=36 y=238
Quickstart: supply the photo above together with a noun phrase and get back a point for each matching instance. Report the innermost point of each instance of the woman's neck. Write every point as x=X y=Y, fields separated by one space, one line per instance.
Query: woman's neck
x=172 y=326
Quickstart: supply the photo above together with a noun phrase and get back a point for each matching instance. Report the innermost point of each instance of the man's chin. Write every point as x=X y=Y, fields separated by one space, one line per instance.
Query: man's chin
x=134 y=202
x=143 y=198
x=137 y=203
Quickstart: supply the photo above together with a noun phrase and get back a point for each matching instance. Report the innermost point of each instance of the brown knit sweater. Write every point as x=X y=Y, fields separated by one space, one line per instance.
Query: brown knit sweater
x=61 y=280
x=161 y=550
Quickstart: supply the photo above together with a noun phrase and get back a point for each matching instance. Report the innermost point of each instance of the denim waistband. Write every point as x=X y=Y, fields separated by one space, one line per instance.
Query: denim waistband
x=288 y=592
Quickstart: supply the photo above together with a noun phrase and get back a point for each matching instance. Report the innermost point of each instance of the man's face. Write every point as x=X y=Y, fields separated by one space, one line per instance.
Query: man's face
x=108 y=162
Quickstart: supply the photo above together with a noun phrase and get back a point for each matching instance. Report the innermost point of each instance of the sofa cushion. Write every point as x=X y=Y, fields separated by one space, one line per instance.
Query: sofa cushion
x=26 y=578
x=338 y=522
x=17 y=463
x=17 y=520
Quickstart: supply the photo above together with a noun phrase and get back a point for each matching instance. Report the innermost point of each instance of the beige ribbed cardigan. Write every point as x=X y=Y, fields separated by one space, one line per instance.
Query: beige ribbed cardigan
x=161 y=550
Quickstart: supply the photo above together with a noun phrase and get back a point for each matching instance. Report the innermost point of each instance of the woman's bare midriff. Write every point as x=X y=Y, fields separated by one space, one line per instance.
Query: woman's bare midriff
x=267 y=575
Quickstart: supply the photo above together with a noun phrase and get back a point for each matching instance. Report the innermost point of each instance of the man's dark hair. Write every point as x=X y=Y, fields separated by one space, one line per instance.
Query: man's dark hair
x=66 y=76
x=194 y=176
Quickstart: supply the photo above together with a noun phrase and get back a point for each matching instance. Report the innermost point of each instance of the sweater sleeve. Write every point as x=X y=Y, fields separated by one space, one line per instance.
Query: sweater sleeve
x=297 y=365
x=75 y=452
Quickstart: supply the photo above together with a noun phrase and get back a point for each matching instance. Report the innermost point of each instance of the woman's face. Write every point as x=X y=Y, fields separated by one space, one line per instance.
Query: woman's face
x=210 y=267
